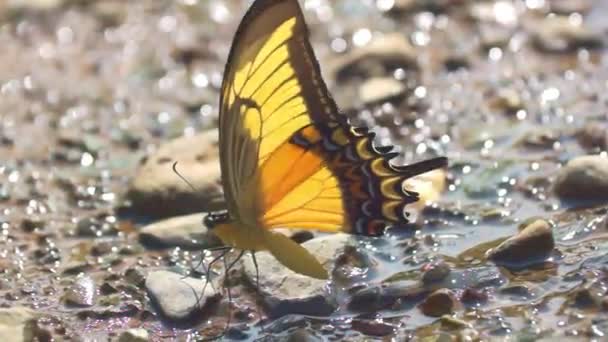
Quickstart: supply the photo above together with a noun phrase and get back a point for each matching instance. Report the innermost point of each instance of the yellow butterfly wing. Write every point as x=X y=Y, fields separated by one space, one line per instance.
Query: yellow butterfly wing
x=272 y=88
x=288 y=158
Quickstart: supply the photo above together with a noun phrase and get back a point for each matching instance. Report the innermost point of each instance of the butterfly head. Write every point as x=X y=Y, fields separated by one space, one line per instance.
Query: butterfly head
x=215 y=218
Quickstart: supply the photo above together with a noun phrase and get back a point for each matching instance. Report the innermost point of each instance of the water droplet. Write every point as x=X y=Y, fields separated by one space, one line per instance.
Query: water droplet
x=206 y=110
x=219 y=12
x=65 y=35
x=385 y=5
x=535 y=4
x=86 y=159
x=338 y=45
x=420 y=38
x=505 y=13
x=362 y=36
x=163 y=117
x=200 y=80
x=549 y=94
x=495 y=54
x=420 y=92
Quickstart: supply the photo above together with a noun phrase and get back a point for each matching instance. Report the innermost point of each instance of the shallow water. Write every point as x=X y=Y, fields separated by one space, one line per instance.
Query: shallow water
x=87 y=89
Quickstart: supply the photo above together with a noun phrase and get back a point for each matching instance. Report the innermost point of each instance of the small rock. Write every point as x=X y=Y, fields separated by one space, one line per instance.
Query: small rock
x=372 y=328
x=519 y=291
x=449 y=322
x=378 y=298
x=468 y=334
x=583 y=178
x=399 y=6
x=381 y=89
x=34 y=331
x=135 y=277
x=560 y=34
x=82 y=292
x=302 y=335
x=539 y=138
x=497 y=12
x=102 y=248
x=31 y=224
x=134 y=335
x=429 y=187
x=532 y=244
x=156 y=190
x=435 y=272
x=593 y=135
x=589 y=296
x=94 y=227
x=439 y=303
x=379 y=58
x=473 y=296
x=456 y=62
x=35 y=4
x=107 y=289
x=13 y=321
x=568 y=6
x=286 y=292
x=494 y=35
x=353 y=262
x=237 y=333
x=507 y=100
x=178 y=297
x=186 y=231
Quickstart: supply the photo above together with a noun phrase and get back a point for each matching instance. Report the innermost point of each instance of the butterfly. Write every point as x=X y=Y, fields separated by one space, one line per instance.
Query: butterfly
x=288 y=158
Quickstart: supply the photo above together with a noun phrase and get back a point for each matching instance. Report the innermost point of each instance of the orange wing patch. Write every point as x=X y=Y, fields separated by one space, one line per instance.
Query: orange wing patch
x=298 y=190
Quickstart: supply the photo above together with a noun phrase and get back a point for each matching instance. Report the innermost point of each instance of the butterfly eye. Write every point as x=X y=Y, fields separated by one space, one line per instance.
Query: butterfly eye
x=214 y=218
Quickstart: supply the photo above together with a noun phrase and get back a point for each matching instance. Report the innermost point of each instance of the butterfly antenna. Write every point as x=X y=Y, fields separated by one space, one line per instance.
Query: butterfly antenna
x=174 y=167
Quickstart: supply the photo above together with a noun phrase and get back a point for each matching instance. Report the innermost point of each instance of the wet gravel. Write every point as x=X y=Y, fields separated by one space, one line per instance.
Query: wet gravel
x=99 y=99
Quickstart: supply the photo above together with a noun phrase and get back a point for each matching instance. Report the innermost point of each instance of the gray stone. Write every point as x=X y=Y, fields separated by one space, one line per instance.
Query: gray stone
x=380 y=89
x=186 y=231
x=531 y=245
x=286 y=292
x=569 y=6
x=507 y=100
x=486 y=11
x=33 y=4
x=302 y=335
x=583 y=178
x=371 y=60
x=179 y=297
x=157 y=191
x=82 y=292
x=13 y=321
x=593 y=135
x=559 y=34
x=134 y=335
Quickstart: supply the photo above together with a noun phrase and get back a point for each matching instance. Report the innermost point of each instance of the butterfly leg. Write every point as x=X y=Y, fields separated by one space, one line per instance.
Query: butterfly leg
x=257 y=284
x=208 y=270
x=227 y=268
